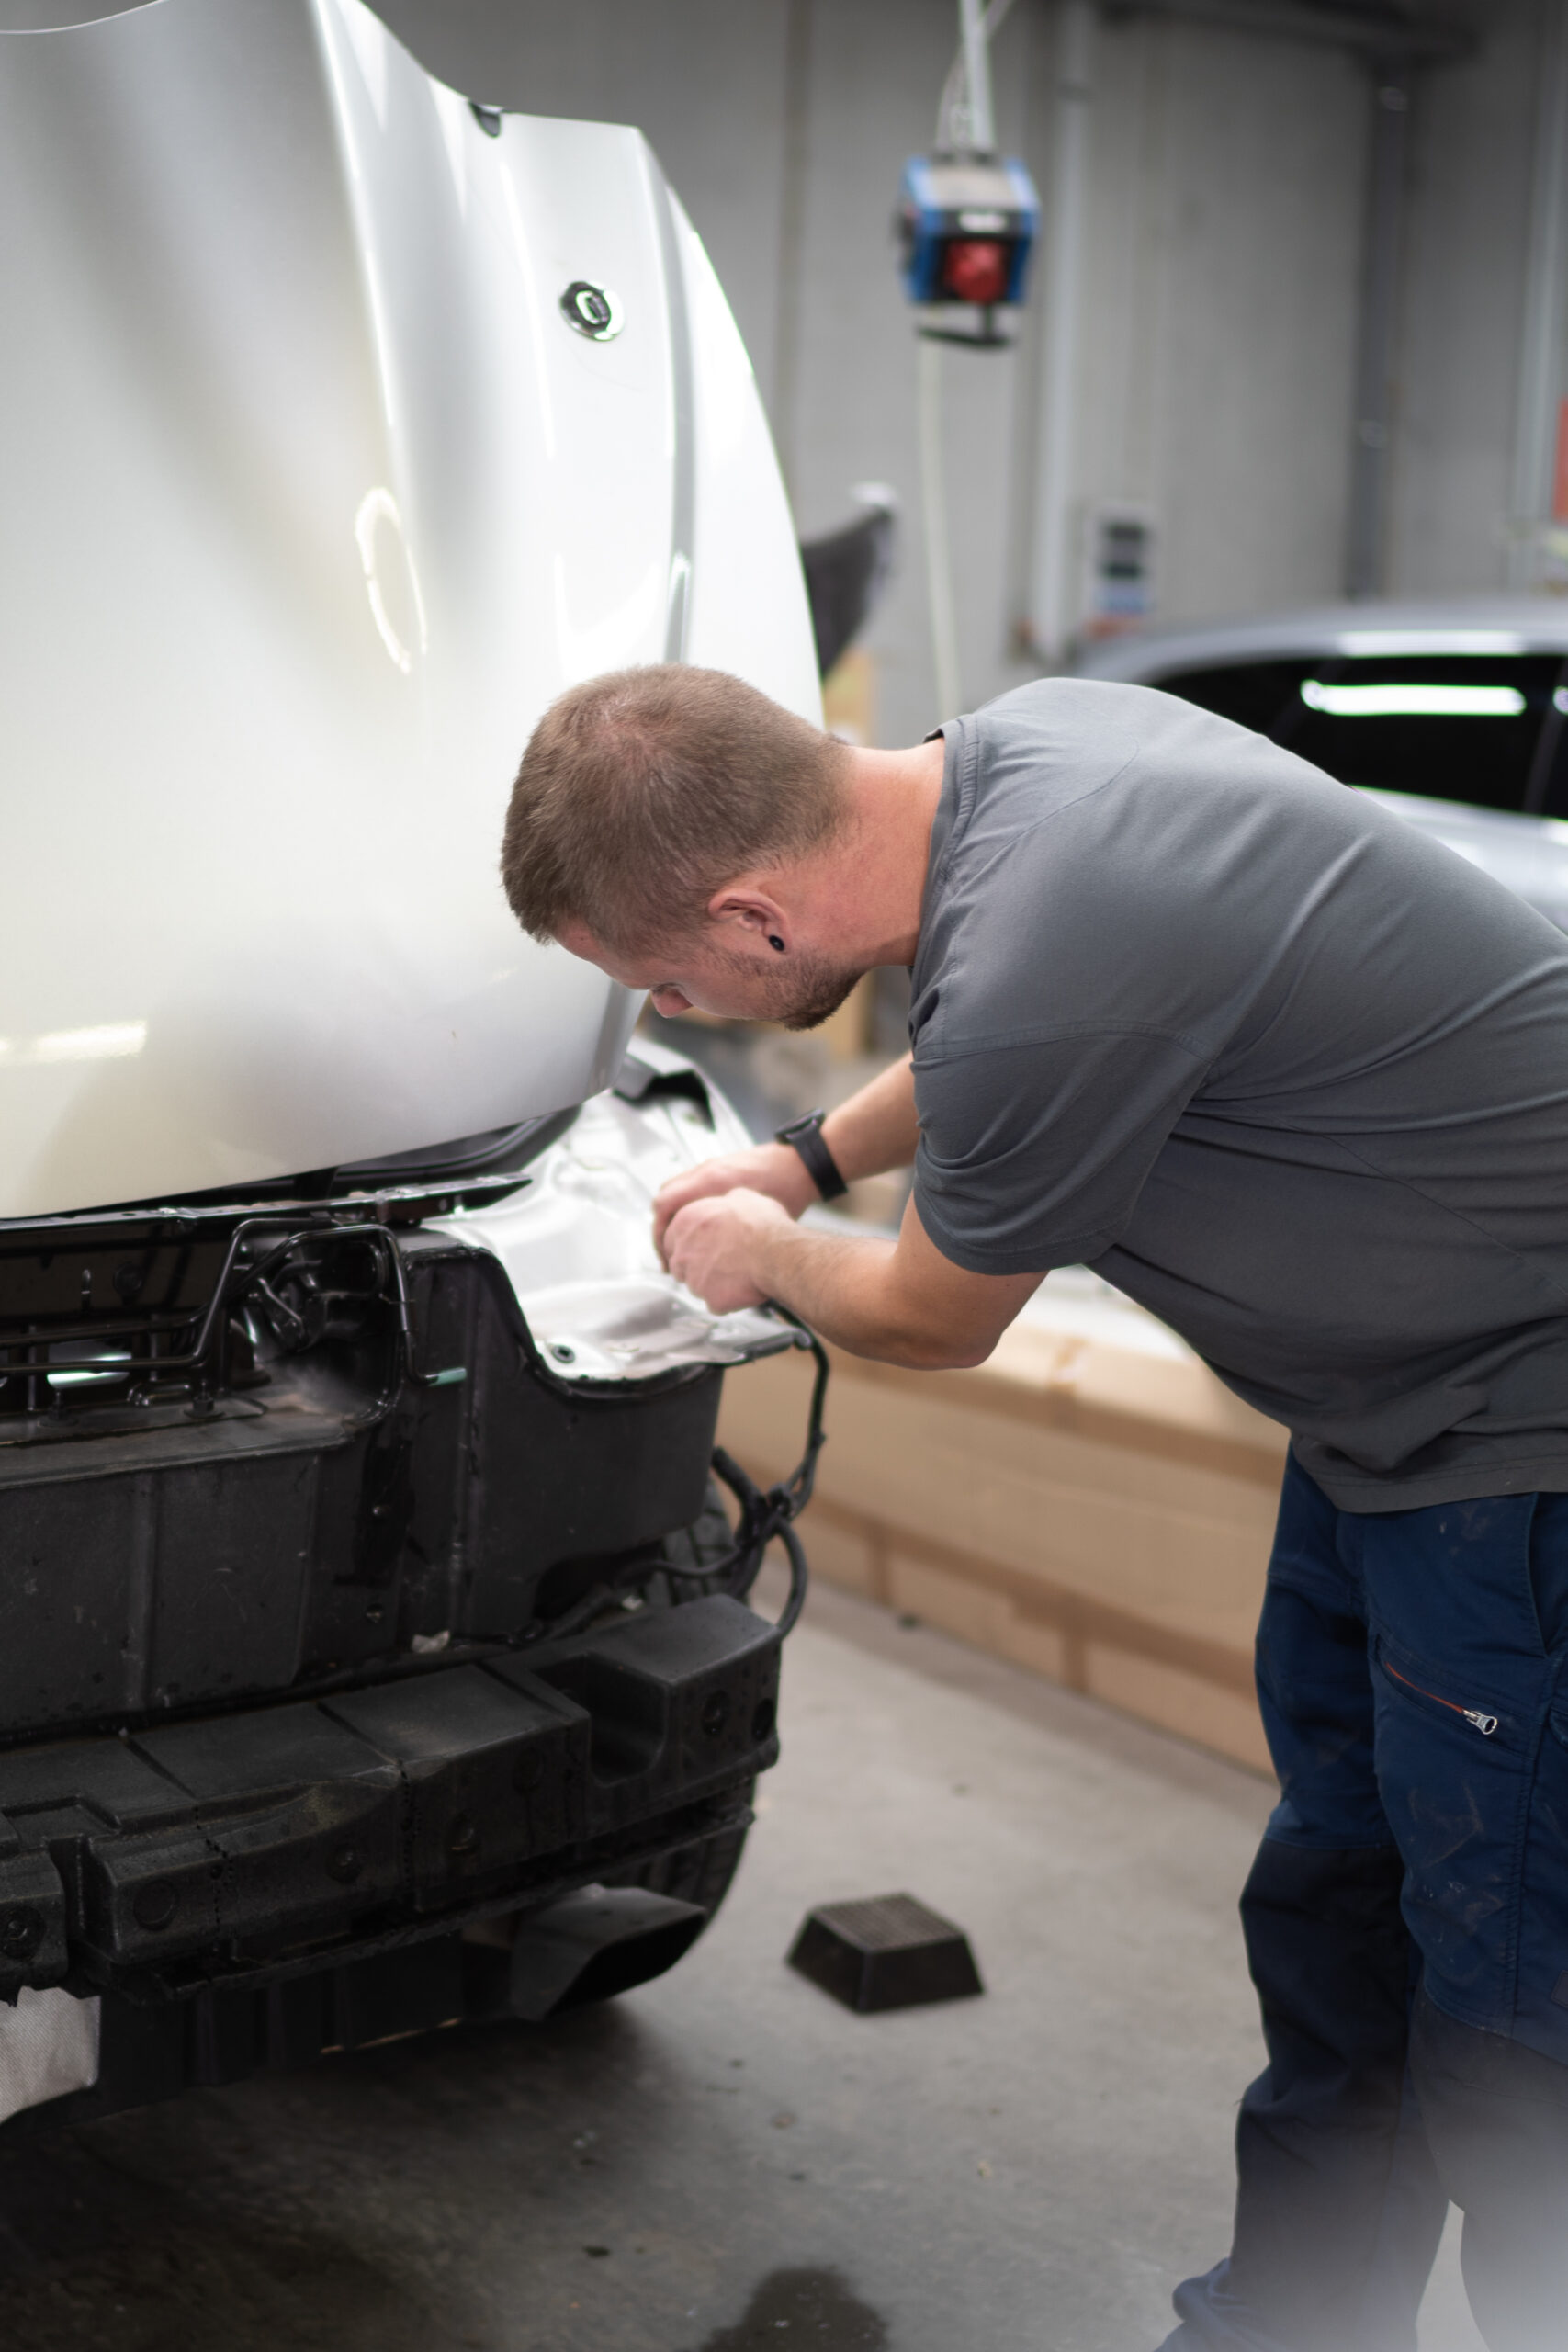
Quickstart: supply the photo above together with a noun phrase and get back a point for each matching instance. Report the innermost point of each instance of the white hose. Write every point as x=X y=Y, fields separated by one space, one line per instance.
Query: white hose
x=966 y=91
x=956 y=89
x=933 y=505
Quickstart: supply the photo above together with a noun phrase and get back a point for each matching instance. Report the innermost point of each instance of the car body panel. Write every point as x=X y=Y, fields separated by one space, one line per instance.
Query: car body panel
x=363 y=1584
x=1459 y=624
x=313 y=502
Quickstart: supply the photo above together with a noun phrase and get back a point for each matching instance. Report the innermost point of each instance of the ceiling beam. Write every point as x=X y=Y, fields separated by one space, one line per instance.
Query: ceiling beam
x=1409 y=39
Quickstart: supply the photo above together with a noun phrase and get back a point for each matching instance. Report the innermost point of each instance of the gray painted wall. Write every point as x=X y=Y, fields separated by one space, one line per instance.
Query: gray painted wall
x=1463 y=323
x=1222 y=258
x=1223 y=243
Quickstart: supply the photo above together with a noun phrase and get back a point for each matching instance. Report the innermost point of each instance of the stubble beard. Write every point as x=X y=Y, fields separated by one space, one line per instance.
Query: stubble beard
x=804 y=993
x=828 y=986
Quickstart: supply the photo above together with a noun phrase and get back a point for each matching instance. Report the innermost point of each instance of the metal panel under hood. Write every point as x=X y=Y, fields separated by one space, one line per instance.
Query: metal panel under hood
x=311 y=501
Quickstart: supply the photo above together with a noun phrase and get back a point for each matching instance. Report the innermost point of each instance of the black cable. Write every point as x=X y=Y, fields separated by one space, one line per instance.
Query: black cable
x=767 y=1515
x=799 y=1578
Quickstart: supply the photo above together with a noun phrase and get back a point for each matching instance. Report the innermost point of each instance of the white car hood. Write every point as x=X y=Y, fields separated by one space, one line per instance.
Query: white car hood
x=311 y=501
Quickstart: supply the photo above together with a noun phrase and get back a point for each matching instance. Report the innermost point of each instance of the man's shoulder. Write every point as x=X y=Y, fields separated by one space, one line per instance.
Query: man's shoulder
x=1095 y=755
x=1109 y=753
x=1055 y=739
x=1068 y=693
x=1053 y=717
x=1120 y=855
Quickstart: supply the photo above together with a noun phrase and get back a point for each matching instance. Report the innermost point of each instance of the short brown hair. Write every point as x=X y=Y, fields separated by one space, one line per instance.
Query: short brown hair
x=643 y=792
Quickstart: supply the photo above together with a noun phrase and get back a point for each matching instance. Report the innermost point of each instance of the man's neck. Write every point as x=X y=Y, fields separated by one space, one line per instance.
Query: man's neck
x=874 y=876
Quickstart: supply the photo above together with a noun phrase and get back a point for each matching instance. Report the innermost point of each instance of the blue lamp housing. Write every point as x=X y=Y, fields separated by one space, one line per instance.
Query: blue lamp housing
x=966 y=230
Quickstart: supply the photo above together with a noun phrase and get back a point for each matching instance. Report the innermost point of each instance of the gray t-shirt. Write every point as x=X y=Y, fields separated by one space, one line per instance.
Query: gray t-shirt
x=1282 y=1068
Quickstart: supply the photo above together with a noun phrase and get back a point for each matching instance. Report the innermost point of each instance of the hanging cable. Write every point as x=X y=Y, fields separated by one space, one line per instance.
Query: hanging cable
x=965 y=133
x=933 y=517
x=767 y=1514
x=955 y=90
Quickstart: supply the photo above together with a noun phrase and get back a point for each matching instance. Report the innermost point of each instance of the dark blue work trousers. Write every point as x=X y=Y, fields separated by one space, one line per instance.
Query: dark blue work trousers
x=1407 y=1925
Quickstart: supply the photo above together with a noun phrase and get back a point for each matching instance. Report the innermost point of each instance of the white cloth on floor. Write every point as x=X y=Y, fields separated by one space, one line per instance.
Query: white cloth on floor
x=48 y=2045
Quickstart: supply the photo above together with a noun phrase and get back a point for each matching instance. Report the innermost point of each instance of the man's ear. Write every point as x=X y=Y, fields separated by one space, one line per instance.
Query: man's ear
x=744 y=905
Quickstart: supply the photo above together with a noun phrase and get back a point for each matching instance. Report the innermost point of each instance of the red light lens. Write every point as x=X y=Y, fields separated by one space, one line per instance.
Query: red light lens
x=974 y=269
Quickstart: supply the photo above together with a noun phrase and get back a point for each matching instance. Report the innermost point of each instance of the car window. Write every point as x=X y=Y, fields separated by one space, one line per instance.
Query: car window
x=1484 y=729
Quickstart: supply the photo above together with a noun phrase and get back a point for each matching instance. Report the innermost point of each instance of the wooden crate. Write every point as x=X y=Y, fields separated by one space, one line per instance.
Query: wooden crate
x=1096 y=1513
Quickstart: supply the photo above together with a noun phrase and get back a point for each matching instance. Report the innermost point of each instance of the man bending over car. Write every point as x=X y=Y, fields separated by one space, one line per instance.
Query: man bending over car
x=1294 y=1077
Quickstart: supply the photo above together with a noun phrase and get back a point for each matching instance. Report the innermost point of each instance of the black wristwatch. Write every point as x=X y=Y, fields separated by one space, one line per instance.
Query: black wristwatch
x=805 y=1135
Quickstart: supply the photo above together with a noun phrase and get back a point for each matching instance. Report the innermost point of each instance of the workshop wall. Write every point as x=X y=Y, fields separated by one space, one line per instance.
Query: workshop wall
x=1217 y=332
x=1213 y=368
x=1472 y=167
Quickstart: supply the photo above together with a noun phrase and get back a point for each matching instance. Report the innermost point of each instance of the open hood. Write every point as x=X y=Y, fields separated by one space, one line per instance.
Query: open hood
x=311 y=499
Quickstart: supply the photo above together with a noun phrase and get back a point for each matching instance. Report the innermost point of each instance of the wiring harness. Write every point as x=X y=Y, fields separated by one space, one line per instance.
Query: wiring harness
x=767 y=1515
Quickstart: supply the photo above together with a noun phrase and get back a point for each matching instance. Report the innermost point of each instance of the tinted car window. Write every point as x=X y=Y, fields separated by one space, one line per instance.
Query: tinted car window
x=1451 y=727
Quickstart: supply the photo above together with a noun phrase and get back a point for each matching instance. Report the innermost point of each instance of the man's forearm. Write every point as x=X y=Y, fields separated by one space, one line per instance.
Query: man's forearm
x=875 y=1129
x=841 y=1286
x=734 y=1242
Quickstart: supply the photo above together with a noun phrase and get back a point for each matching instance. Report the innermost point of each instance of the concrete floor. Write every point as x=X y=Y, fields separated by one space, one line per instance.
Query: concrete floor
x=727 y=2159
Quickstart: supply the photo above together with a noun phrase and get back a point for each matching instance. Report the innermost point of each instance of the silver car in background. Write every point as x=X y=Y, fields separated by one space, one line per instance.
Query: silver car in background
x=1454 y=714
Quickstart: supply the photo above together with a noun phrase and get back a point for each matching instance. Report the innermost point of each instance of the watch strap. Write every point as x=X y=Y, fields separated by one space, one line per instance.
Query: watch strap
x=806 y=1137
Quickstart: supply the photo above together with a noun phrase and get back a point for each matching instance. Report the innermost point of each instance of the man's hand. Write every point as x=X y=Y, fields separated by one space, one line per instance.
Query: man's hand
x=774 y=1170
x=899 y=1302
x=726 y=1230
x=713 y=1243
x=875 y=1129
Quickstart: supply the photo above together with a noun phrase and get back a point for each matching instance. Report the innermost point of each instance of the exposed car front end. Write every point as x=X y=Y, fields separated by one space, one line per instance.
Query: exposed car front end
x=362 y=1585
x=362 y=1589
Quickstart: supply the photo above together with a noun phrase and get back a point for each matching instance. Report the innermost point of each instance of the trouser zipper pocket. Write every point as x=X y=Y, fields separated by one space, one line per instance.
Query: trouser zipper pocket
x=1476 y=1716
